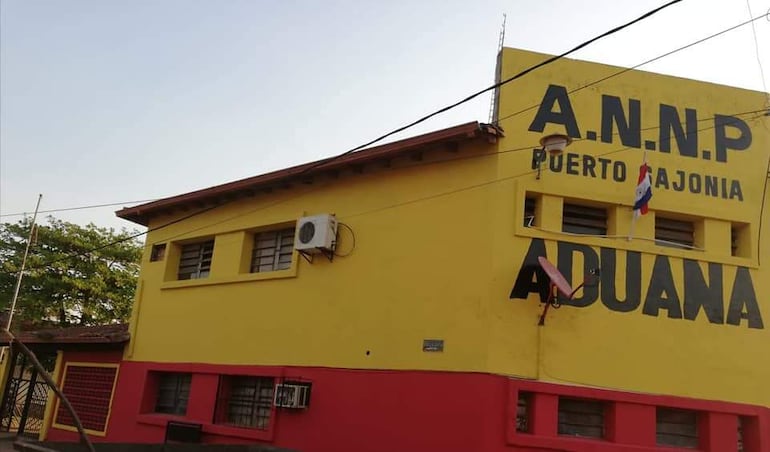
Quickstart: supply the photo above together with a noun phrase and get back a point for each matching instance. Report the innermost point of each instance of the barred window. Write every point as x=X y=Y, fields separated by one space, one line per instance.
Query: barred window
x=173 y=393
x=674 y=233
x=89 y=390
x=529 y=211
x=273 y=250
x=580 y=417
x=577 y=219
x=195 y=261
x=245 y=401
x=677 y=428
x=523 y=408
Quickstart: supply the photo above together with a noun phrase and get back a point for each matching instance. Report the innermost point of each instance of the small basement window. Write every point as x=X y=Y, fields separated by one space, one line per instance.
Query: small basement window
x=522 y=412
x=195 y=260
x=273 y=250
x=578 y=219
x=676 y=428
x=581 y=417
x=674 y=233
x=530 y=203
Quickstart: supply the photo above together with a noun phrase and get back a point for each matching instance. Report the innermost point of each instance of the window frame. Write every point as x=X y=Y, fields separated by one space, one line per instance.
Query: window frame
x=201 y=262
x=259 y=404
x=278 y=249
x=584 y=224
x=675 y=232
x=573 y=429
x=180 y=397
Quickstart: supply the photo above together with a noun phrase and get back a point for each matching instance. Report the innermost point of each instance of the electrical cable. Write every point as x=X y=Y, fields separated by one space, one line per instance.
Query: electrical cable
x=756 y=48
x=92 y=206
x=624 y=70
x=483 y=184
x=353 y=236
x=251 y=211
x=467 y=99
x=496 y=85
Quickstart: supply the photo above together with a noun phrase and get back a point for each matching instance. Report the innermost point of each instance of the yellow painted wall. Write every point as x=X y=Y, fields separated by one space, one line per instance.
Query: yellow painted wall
x=439 y=244
x=594 y=345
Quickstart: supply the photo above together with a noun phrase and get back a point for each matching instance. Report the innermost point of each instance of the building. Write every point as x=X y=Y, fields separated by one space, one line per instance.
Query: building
x=421 y=332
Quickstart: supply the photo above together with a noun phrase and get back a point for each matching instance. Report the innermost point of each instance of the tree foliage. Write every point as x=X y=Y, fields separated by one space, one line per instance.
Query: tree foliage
x=65 y=281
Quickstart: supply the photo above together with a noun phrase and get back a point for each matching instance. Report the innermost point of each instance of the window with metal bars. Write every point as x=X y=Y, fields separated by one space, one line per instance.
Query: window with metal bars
x=529 y=211
x=674 y=233
x=739 y=239
x=195 y=260
x=245 y=401
x=677 y=428
x=273 y=250
x=581 y=417
x=173 y=393
x=579 y=219
x=522 y=412
x=89 y=390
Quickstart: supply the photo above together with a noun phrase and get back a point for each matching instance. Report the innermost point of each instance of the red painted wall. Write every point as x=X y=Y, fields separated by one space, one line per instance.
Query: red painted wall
x=419 y=411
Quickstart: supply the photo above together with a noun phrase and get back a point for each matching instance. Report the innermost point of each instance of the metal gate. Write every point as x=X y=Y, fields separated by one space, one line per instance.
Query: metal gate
x=25 y=397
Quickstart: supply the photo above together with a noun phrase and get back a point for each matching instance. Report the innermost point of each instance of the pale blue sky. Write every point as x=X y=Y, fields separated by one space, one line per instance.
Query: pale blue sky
x=105 y=101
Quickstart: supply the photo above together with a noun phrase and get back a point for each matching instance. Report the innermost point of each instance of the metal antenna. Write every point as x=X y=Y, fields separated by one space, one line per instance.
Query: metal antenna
x=493 y=102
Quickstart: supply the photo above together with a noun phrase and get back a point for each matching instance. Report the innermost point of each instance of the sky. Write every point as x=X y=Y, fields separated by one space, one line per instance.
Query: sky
x=107 y=101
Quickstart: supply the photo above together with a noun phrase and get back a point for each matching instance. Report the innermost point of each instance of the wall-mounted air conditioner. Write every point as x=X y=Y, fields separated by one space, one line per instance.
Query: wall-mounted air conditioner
x=292 y=395
x=316 y=234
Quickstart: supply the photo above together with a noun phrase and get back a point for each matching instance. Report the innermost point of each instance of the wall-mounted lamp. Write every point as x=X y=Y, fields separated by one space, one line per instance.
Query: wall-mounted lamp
x=551 y=145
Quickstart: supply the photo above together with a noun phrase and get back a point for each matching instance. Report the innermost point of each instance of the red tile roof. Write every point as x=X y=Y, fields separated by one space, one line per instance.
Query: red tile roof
x=246 y=187
x=102 y=334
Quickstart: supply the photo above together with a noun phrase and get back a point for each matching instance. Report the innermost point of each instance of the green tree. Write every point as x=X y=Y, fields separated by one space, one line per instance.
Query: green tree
x=65 y=282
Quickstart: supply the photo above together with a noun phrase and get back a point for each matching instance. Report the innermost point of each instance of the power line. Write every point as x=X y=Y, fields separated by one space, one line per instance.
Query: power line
x=472 y=156
x=69 y=209
x=756 y=48
x=623 y=71
x=497 y=85
x=760 y=112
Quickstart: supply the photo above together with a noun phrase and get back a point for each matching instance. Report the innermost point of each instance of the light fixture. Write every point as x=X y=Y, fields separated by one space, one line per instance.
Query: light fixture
x=552 y=145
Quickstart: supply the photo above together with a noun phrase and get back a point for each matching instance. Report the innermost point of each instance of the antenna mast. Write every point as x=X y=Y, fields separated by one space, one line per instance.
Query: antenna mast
x=493 y=102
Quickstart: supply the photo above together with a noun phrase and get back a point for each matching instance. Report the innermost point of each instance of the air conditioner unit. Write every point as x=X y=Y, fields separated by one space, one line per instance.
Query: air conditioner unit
x=316 y=234
x=292 y=395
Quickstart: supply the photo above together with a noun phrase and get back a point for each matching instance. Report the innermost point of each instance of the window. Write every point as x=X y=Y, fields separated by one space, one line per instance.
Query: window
x=273 y=250
x=522 y=412
x=529 y=211
x=674 y=233
x=173 y=393
x=739 y=240
x=158 y=252
x=245 y=401
x=195 y=261
x=677 y=428
x=89 y=390
x=578 y=219
x=580 y=417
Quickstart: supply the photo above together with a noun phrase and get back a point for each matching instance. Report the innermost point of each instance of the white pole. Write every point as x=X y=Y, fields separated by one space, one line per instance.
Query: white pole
x=21 y=272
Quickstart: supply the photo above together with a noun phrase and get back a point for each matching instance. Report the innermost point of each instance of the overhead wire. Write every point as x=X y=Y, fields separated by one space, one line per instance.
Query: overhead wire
x=756 y=48
x=70 y=209
x=281 y=201
x=498 y=84
x=326 y=161
x=494 y=181
x=624 y=70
